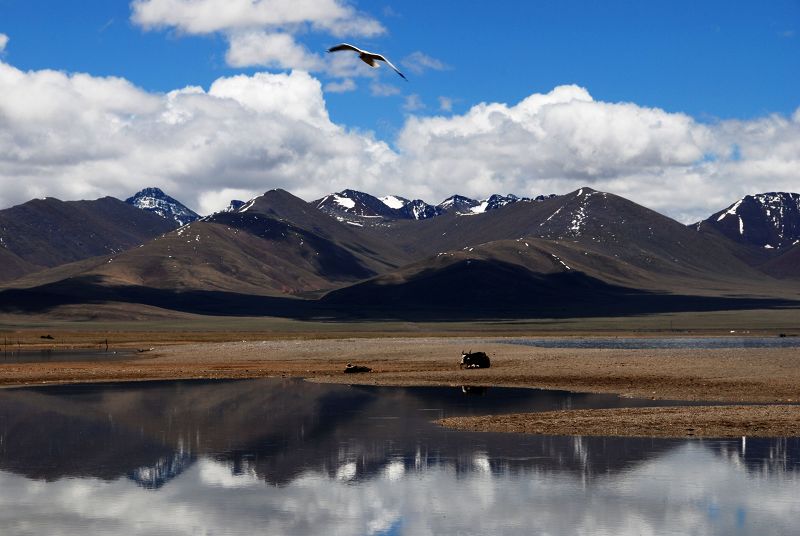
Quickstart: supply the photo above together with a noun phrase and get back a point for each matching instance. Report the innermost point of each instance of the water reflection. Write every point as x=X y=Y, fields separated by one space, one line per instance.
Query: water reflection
x=289 y=457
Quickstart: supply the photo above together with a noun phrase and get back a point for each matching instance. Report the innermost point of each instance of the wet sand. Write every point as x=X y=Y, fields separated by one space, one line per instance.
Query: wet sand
x=729 y=375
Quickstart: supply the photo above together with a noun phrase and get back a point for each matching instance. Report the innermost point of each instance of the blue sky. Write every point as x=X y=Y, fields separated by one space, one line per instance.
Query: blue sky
x=723 y=64
x=709 y=59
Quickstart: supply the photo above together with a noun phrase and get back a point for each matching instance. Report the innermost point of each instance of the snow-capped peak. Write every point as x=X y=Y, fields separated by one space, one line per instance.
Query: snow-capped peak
x=420 y=210
x=768 y=220
x=496 y=201
x=458 y=204
x=352 y=205
x=156 y=201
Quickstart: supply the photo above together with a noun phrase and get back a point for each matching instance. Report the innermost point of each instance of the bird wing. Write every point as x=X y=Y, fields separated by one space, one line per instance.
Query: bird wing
x=345 y=46
x=389 y=63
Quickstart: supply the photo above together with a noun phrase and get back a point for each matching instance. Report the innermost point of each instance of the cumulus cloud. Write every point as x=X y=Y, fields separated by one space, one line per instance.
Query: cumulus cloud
x=76 y=136
x=209 y=16
x=259 y=32
x=564 y=139
x=3 y=41
x=279 y=50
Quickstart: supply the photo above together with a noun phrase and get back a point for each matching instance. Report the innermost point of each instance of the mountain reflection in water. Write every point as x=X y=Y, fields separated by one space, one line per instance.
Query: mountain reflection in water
x=291 y=457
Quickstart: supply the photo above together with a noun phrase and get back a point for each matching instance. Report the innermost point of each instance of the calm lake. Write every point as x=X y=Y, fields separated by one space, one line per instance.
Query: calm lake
x=289 y=457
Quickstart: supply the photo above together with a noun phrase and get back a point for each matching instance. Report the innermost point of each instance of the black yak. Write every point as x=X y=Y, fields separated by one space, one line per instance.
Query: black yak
x=474 y=360
x=354 y=369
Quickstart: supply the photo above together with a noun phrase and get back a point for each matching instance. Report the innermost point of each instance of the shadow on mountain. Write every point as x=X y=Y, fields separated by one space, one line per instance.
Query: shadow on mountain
x=496 y=289
x=468 y=290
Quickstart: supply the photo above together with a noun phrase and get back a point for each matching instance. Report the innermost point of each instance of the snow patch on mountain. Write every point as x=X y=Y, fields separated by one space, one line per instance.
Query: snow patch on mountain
x=480 y=208
x=247 y=206
x=730 y=211
x=578 y=219
x=579 y=215
x=393 y=201
x=345 y=202
x=561 y=262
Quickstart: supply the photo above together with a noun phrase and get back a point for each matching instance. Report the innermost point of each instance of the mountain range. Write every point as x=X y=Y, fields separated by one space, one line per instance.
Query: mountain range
x=351 y=254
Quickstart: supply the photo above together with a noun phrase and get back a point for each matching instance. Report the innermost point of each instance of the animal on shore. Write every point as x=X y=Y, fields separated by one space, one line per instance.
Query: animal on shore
x=352 y=369
x=370 y=58
x=474 y=360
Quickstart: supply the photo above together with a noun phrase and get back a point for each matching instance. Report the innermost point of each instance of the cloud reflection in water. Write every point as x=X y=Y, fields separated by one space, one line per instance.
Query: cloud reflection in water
x=688 y=490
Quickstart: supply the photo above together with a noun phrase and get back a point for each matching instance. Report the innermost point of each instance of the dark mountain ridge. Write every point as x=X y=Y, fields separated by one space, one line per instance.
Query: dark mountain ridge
x=44 y=233
x=364 y=209
x=769 y=220
x=585 y=252
x=275 y=244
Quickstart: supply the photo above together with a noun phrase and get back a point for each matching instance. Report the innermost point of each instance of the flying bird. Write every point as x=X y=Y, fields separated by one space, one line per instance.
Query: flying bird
x=368 y=57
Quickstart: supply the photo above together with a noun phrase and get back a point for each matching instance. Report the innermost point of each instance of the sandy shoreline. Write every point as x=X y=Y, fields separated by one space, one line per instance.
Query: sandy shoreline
x=730 y=375
x=667 y=422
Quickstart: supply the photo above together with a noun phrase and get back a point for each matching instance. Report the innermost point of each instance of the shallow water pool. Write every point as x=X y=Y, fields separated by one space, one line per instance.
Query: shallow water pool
x=291 y=457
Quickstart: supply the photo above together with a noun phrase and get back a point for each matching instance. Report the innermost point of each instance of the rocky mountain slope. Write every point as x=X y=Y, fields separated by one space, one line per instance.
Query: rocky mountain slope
x=769 y=220
x=44 y=233
x=582 y=251
x=275 y=244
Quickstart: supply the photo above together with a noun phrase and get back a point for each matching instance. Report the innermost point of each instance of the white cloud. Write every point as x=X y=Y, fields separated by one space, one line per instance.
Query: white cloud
x=78 y=136
x=564 y=139
x=259 y=32
x=279 y=50
x=3 y=41
x=419 y=62
x=209 y=16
